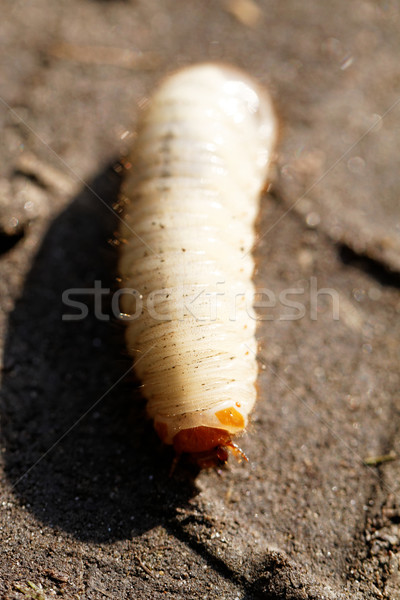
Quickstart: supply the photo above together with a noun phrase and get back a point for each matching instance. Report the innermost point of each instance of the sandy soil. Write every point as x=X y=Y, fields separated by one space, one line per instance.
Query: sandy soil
x=87 y=509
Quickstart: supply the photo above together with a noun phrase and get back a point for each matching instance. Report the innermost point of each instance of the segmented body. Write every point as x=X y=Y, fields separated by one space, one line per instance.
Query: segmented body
x=198 y=167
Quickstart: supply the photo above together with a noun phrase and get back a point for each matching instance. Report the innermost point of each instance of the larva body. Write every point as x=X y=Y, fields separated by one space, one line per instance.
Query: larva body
x=198 y=167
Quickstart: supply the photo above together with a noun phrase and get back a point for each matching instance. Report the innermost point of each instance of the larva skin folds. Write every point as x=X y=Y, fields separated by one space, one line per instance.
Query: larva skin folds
x=192 y=194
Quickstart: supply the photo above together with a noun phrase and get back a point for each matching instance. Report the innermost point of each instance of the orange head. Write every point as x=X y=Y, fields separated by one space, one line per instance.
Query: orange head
x=206 y=446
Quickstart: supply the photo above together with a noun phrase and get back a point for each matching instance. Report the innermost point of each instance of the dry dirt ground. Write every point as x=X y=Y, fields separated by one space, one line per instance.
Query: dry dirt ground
x=87 y=509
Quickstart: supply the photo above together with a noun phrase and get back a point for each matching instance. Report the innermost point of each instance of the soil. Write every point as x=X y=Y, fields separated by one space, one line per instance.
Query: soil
x=87 y=506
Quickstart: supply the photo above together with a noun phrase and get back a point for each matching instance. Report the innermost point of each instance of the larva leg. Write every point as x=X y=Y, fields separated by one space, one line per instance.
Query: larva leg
x=199 y=165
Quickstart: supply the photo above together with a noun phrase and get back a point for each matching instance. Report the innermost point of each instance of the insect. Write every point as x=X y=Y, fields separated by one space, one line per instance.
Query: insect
x=199 y=164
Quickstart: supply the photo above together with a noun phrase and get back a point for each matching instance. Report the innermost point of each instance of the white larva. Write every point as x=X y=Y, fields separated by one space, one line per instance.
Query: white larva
x=198 y=167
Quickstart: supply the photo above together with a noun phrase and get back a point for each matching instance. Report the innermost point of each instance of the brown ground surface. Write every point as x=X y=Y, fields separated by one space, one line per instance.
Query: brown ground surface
x=87 y=509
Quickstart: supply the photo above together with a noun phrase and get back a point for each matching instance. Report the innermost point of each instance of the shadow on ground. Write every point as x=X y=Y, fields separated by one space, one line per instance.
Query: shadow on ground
x=79 y=452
